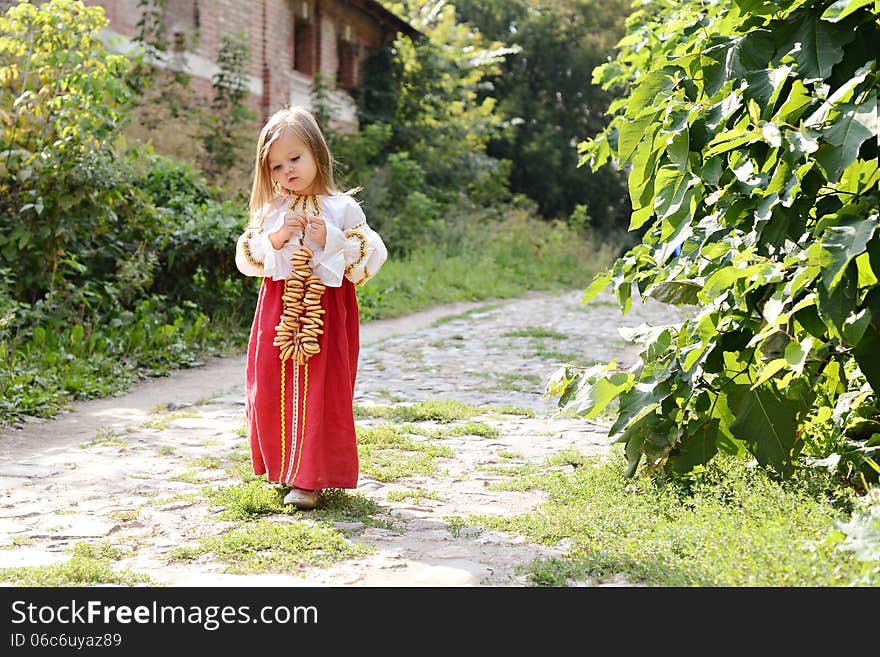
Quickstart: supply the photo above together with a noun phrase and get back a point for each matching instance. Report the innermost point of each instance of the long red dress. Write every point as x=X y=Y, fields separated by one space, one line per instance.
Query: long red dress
x=300 y=418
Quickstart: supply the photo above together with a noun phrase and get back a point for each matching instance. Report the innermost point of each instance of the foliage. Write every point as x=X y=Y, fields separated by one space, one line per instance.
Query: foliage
x=749 y=131
x=229 y=116
x=61 y=99
x=422 y=147
x=546 y=105
x=730 y=525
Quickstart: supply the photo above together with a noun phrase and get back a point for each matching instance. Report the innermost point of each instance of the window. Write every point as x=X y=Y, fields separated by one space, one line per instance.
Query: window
x=347 y=55
x=303 y=46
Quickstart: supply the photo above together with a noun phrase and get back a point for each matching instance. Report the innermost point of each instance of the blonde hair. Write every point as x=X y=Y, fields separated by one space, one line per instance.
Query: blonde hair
x=301 y=123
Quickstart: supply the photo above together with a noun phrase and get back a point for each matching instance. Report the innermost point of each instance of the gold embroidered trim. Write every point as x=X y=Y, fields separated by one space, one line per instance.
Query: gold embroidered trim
x=248 y=254
x=362 y=249
x=367 y=276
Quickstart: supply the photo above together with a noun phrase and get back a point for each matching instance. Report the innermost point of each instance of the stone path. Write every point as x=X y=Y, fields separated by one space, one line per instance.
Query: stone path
x=122 y=470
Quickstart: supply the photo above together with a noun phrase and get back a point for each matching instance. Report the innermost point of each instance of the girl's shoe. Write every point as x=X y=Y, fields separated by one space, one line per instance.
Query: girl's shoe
x=302 y=499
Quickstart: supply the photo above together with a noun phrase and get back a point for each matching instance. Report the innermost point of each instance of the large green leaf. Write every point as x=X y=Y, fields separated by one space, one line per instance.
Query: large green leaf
x=643 y=398
x=819 y=46
x=867 y=350
x=679 y=293
x=699 y=443
x=844 y=242
x=767 y=422
x=845 y=135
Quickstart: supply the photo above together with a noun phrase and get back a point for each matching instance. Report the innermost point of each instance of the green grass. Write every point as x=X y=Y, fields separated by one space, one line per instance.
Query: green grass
x=732 y=526
x=89 y=565
x=414 y=494
x=265 y=546
x=387 y=453
x=484 y=260
x=536 y=332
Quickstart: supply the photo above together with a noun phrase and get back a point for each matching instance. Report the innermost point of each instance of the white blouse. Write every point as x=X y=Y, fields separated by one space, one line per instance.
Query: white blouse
x=353 y=250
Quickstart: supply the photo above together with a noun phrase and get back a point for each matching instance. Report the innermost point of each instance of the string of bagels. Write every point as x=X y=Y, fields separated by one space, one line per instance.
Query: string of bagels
x=301 y=322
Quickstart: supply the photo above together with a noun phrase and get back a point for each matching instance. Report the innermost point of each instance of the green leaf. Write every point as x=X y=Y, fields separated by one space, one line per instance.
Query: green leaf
x=866 y=350
x=796 y=354
x=844 y=242
x=731 y=139
x=599 y=284
x=820 y=46
x=679 y=293
x=845 y=135
x=799 y=99
x=643 y=398
x=632 y=134
x=843 y=8
x=645 y=92
x=767 y=422
x=593 y=397
x=697 y=447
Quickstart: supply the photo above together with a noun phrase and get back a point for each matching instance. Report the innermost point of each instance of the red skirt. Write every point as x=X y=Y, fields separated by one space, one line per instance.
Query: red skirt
x=300 y=418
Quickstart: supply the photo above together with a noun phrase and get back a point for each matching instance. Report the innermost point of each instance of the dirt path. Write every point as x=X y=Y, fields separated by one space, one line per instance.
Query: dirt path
x=128 y=470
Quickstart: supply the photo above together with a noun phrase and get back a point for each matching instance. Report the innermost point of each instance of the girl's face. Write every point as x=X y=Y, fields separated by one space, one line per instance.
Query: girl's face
x=292 y=164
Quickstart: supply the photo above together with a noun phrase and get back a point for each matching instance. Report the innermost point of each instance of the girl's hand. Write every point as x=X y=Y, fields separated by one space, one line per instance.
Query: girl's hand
x=293 y=225
x=317 y=231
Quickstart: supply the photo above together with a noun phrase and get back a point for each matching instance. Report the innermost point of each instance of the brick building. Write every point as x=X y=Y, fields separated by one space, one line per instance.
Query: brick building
x=289 y=41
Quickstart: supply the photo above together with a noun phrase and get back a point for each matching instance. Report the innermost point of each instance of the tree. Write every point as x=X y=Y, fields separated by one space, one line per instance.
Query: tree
x=749 y=129
x=543 y=90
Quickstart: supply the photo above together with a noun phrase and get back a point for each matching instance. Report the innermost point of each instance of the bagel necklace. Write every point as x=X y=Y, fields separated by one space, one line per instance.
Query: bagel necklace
x=296 y=334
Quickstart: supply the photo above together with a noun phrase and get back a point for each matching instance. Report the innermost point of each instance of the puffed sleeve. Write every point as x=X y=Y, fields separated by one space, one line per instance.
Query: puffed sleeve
x=354 y=250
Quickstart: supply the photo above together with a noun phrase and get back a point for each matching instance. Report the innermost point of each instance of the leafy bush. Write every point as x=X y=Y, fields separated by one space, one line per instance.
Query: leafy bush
x=750 y=134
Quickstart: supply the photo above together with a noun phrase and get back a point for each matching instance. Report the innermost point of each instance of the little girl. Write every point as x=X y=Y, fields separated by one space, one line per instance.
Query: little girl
x=311 y=245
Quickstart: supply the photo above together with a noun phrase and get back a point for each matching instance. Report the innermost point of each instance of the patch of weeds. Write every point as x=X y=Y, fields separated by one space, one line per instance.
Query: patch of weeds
x=266 y=546
x=509 y=409
x=508 y=454
x=465 y=315
x=165 y=450
x=240 y=465
x=730 y=525
x=474 y=429
x=241 y=432
x=535 y=332
x=212 y=442
x=414 y=494
x=99 y=550
x=22 y=540
x=249 y=500
x=511 y=470
x=569 y=456
x=187 y=477
x=180 y=497
x=90 y=565
x=341 y=506
x=455 y=524
x=105 y=437
x=441 y=410
x=362 y=411
x=165 y=421
x=467 y=429
x=123 y=515
x=386 y=465
x=206 y=462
